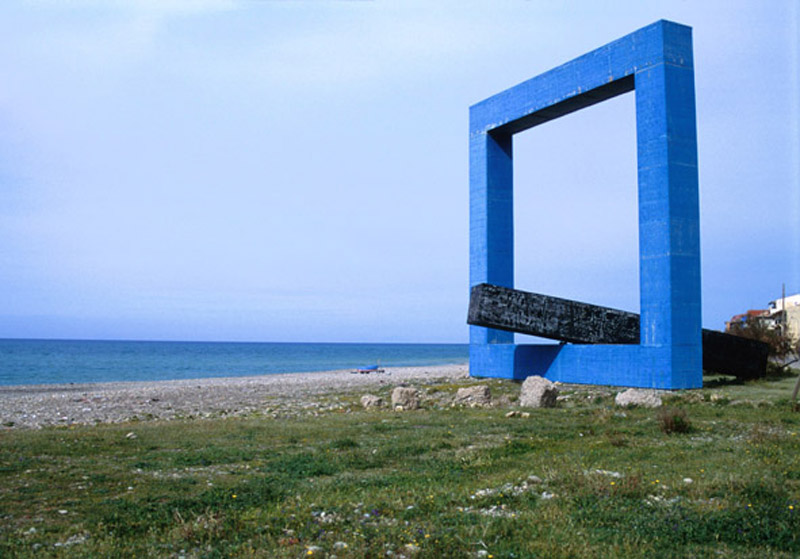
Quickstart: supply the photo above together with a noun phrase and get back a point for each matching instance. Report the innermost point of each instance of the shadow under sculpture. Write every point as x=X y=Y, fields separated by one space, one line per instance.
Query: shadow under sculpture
x=656 y=64
x=566 y=320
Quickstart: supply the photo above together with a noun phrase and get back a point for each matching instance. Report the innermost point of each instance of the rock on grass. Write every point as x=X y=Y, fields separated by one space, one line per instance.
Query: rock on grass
x=638 y=397
x=538 y=392
x=474 y=396
x=371 y=401
x=405 y=398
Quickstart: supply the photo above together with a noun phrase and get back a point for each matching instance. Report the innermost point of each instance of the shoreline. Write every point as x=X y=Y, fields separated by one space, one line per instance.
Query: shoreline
x=75 y=386
x=36 y=406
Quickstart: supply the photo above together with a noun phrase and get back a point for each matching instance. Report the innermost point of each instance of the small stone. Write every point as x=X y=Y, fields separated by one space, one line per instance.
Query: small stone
x=340 y=545
x=371 y=401
x=525 y=415
x=609 y=473
x=474 y=396
x=512 y=413
x=131 y=435
x=77 y=539
x=638 y=397
x=538 y=392
x=534 y=479
x=405 y=398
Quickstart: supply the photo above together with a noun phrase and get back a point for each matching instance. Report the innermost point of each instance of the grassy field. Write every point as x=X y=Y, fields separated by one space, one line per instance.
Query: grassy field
x=585 y=479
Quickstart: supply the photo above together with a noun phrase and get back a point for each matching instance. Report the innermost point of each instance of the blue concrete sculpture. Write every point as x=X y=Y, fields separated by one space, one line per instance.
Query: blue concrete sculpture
x=656 y=63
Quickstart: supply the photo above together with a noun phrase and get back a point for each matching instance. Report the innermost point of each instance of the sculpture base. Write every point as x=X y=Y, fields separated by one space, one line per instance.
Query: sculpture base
x=611 y=365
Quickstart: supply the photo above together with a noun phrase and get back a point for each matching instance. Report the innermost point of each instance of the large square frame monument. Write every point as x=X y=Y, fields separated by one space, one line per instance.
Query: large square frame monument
x=656 y=63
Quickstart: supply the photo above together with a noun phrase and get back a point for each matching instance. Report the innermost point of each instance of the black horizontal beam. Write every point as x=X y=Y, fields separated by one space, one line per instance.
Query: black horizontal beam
x=565 y=320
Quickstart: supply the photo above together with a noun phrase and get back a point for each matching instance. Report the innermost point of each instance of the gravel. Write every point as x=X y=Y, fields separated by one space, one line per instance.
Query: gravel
x=35 y=406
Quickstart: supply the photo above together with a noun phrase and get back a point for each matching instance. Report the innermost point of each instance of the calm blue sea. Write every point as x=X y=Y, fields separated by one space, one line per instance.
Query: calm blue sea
x=65 y=361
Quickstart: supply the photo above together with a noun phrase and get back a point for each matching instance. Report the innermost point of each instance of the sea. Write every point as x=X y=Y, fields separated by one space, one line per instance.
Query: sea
x=87 y=361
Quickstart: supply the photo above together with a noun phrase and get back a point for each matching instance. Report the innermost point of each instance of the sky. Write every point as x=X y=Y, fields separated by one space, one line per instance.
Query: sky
x=297 y=171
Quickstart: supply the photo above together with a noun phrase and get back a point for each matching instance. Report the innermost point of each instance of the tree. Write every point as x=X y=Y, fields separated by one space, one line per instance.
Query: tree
x=781 y=347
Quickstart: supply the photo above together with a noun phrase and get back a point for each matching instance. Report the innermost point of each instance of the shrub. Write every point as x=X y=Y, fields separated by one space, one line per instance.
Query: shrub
x=616 y=439
x=673 y=420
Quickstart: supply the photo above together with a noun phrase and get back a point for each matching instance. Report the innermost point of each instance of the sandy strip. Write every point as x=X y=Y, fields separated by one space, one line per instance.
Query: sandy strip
x=278 y=395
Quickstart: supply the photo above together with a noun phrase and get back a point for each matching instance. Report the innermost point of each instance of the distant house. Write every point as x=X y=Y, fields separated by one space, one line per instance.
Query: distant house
x=788 y=317
x=775 y=316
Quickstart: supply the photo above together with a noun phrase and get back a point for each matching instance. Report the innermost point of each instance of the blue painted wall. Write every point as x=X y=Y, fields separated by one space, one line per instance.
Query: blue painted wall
x=656 y=63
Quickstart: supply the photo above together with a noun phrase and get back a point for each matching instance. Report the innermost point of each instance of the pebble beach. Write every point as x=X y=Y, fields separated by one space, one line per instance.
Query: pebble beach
x=36 y=406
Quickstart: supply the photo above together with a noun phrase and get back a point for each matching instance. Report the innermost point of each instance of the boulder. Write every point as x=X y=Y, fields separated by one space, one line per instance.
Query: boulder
x=405 y=398
x=538 y=392
x=371 y=401
x=474 y=396
x=638 y=397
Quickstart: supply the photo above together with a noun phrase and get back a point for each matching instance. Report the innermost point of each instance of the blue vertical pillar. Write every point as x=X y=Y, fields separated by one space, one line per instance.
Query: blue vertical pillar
x=491 y=234
x=669 y=231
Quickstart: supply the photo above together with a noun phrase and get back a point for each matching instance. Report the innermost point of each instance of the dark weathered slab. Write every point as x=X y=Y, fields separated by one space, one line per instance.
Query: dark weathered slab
x=502 y=308
x=733 y=355
x=550 y=317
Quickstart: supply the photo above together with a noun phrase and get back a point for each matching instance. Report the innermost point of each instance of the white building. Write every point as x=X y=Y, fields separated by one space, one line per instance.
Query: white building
x=788 y=317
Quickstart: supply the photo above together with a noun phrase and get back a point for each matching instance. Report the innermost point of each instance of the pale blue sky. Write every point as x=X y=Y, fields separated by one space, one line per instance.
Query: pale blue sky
x=297 y=171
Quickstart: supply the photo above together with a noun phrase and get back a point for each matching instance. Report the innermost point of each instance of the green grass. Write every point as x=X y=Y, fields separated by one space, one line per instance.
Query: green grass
x=438 y=482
